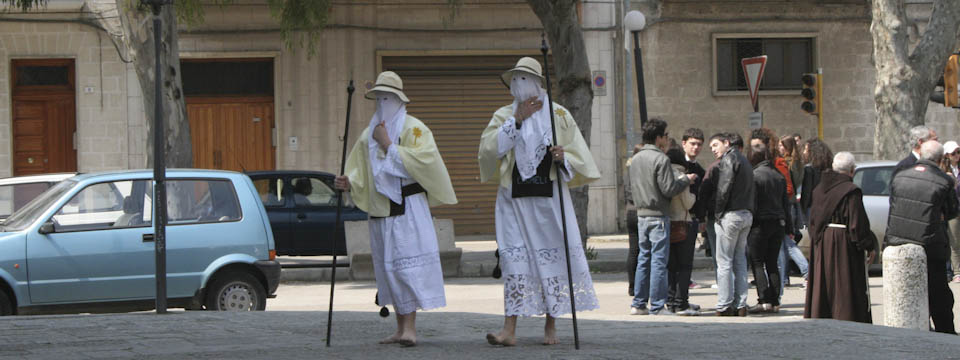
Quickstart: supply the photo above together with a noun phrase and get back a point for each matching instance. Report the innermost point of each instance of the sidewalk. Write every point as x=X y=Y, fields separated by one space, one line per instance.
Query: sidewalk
x=478 y=260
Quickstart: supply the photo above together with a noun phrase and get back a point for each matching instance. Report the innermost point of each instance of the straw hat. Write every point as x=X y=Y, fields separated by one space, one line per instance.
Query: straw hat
x=388 y=81
x=528 y=65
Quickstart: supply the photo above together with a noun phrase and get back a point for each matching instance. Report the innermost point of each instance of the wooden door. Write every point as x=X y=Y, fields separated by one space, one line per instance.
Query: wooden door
x=232 y=133
x=44 y=116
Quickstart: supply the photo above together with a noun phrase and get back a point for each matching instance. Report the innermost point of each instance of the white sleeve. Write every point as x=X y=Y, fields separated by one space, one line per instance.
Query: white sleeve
x=507 y=137
x=567 y=171
x=393 y=164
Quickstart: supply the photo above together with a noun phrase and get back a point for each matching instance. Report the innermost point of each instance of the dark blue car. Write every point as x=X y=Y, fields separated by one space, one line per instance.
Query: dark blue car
x=302 y=207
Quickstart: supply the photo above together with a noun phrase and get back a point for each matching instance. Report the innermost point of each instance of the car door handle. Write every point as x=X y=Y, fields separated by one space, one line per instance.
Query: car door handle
x=148 y=237
x=301 y=216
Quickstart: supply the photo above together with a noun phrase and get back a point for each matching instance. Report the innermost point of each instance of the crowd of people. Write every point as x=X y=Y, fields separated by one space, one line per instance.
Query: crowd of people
x=750 y=204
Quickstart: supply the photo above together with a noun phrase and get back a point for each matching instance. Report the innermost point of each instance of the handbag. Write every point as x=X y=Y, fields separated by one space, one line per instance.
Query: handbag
x=678 y=231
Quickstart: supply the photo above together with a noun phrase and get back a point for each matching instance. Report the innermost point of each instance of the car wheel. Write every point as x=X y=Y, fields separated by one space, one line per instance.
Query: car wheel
x=236 y=291
x=6 y=306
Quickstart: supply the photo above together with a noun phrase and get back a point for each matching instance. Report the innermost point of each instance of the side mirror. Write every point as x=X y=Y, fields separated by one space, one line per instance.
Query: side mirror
x=46 y=228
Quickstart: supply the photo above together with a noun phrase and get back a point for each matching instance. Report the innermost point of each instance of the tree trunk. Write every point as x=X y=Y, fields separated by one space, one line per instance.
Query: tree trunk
x=138 y=26
x=905 y=80
x=559 y=18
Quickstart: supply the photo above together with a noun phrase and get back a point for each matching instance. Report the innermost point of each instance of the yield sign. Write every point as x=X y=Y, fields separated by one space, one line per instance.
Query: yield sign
x=753 y=71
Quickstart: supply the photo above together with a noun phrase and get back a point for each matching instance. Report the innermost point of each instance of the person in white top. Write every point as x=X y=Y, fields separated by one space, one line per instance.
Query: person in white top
x=516 y=152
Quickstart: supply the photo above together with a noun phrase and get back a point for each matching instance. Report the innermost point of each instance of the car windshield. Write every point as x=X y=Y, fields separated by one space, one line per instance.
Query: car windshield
x=15 y=196
x=29 y=213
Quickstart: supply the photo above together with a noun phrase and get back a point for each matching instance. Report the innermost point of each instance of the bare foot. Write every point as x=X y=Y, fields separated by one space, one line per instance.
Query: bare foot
x=549 y=335
x=550 y=331
x=498 y=339
x=391 y=340
x=407 y=341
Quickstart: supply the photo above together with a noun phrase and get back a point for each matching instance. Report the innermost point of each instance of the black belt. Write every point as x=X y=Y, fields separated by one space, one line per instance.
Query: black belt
x=406 y=190
x=539 y=185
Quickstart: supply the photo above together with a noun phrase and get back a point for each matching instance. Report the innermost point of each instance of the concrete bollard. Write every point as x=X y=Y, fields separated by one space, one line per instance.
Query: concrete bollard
x=905 y=287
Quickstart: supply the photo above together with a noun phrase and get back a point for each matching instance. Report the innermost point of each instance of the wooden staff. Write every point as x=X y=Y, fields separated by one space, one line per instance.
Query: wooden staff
x=563 y=215
x=336 y=224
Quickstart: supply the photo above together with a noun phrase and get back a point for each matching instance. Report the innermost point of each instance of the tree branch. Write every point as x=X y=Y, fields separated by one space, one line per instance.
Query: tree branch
x=932 y=52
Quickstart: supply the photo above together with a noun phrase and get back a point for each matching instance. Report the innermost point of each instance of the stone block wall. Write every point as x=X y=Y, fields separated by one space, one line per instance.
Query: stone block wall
x=101 y=87
x=310 y=89
x=678 y=69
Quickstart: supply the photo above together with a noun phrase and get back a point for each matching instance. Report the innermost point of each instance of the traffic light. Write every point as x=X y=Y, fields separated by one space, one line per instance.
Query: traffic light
x=811 y=93
x=948 y=97
x=950 y=72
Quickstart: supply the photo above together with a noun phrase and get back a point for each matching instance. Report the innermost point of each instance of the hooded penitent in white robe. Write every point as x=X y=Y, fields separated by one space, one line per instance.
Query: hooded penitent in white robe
x=406 y=258
x=529 y=232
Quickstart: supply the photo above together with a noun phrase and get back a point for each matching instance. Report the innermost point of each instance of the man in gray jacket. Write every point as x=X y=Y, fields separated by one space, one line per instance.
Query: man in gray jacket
x=653 y=183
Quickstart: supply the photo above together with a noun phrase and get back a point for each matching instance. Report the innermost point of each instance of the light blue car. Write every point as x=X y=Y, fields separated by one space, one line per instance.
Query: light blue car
x=87 y=245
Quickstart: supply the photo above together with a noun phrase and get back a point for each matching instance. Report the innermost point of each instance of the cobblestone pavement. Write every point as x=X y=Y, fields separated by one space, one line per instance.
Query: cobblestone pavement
x=294 y=327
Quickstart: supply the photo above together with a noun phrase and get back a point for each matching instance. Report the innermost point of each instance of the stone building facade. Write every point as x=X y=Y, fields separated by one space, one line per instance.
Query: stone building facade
x=307 y=98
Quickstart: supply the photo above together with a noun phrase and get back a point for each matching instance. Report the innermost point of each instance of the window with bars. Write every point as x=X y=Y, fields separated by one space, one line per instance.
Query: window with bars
x=788 y=58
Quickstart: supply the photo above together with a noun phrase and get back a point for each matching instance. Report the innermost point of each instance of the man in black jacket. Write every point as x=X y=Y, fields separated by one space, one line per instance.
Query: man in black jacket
x=680 y=266
x=922 y=200
x=771 y=206
x=734 y=206
x=918 y=135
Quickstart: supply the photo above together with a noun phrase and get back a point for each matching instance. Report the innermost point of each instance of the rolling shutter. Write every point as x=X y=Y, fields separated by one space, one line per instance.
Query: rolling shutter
x=456 y=96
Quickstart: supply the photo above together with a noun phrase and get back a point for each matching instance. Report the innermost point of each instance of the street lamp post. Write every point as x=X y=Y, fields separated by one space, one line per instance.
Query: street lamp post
x=635 y=22
x=159 y=163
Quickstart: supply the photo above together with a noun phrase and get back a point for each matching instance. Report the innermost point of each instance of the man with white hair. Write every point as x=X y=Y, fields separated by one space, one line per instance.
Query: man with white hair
x=922 y=201
x=395 y=173
x=837 y=276
x=517 y=153
x=918 y=135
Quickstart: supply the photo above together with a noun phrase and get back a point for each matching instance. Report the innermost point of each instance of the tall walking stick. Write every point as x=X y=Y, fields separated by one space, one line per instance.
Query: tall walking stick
x=563 y=215
x=336 y=226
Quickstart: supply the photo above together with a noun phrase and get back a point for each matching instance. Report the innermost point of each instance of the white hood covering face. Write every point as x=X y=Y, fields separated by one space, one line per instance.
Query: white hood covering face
x=392 y=113
x=535 y=131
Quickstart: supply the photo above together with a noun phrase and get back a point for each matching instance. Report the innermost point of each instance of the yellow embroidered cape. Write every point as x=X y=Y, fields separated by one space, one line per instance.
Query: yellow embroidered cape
x=420 y=157
x=576 y=151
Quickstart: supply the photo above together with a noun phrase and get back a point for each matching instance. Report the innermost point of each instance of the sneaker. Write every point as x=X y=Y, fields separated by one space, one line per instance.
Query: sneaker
x=774 y=309
x=758 y=309
x=694 y=285
x=694 y=306
x=663 y=311
x=742 y=312
x=688 y=312
x=727 y=312
x=956 y=279
x=639 y=311
x=713 y=286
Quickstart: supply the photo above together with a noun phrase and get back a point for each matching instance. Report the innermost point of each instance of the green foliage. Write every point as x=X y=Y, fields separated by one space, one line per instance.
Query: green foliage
x=301 y=21
x=591 y=253
x=24 y=5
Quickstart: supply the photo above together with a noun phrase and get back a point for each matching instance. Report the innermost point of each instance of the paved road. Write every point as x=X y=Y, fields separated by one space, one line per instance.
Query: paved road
x=293 y=327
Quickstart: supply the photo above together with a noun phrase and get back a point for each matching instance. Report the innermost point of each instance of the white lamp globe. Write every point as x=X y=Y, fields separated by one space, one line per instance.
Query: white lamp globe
x=634 y=21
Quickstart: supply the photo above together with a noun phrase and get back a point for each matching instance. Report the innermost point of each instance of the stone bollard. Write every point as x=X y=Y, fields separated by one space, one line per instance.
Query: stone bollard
x=905 y=287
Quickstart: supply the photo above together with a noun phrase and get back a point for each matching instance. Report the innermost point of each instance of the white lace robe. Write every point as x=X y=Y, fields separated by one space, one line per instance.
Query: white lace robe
x=406 y=258
x=530 y=240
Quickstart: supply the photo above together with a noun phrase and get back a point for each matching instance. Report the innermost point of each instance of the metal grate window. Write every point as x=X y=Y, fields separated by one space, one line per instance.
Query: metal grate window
x=787 y=60
x=42 y=75
x=219 y=77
